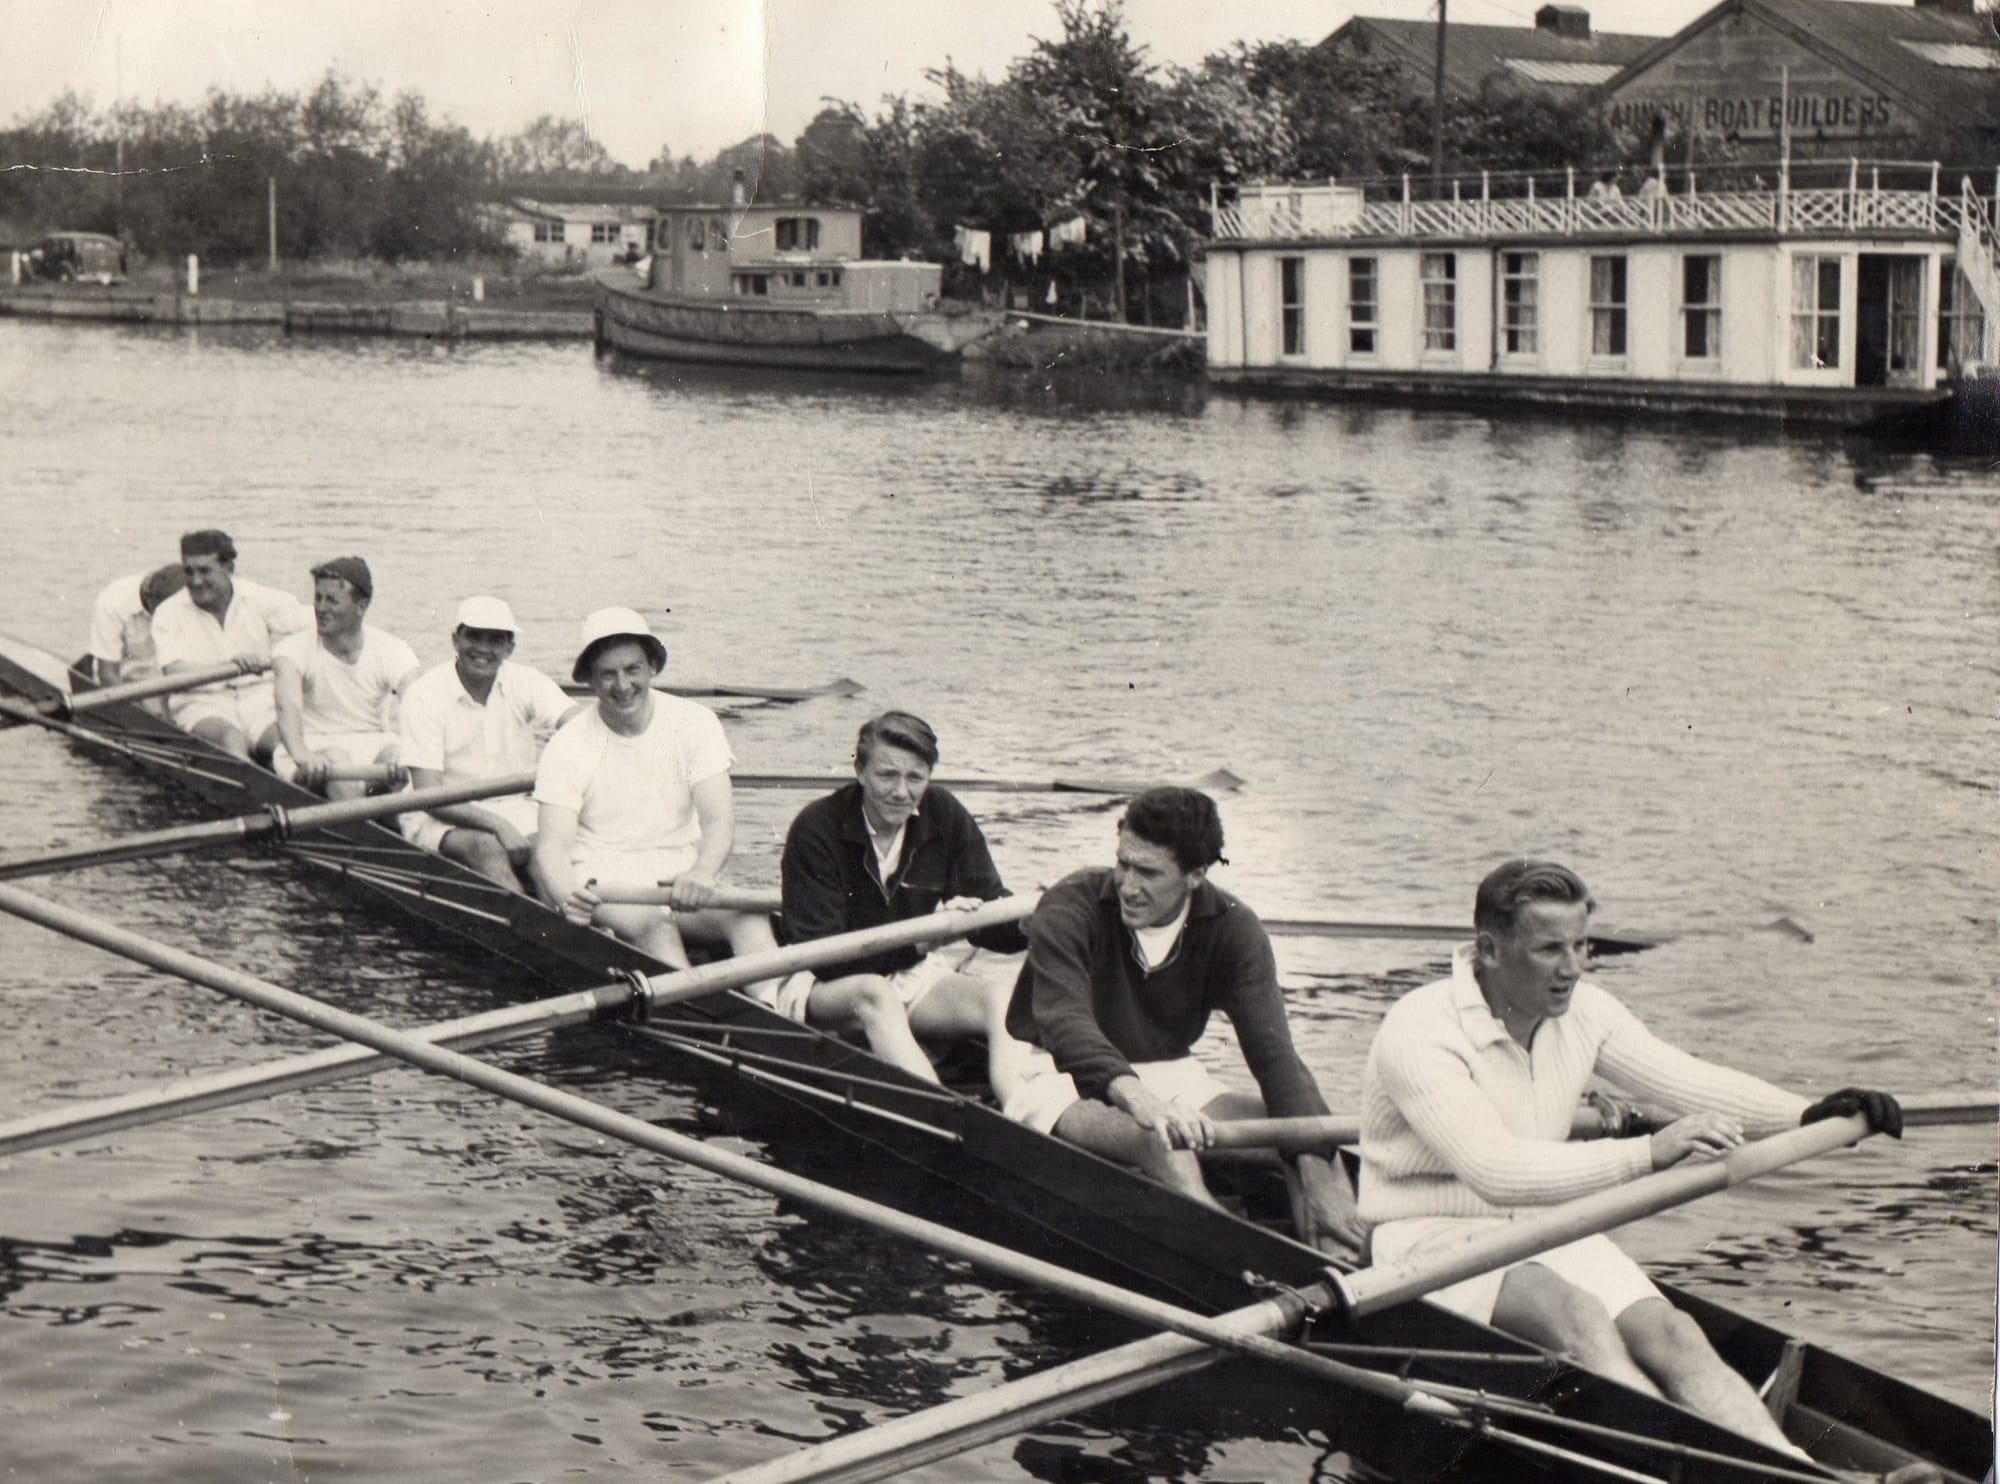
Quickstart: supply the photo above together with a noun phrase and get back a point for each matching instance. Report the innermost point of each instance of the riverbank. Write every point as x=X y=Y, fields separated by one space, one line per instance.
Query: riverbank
x=440 y=304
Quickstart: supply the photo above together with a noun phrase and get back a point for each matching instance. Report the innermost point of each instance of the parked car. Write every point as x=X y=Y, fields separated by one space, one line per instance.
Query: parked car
x=73 y=257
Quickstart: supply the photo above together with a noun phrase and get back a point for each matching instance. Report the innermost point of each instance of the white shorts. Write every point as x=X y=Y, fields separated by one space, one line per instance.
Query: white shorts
x=428 y=831
x=1043 y=1094
x=910 y=984
x=1595 y=1264
x=251 y=709
x=349 y=749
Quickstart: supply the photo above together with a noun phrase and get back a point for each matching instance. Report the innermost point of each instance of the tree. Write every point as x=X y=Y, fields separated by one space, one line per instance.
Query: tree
x=553 y=147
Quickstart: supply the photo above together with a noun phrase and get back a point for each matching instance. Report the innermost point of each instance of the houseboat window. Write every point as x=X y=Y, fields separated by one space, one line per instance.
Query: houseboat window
x=604 y=232
x=1292 y=279
x=697 y=234
x=1361 y=306
x=1961 y=327
x=798 y=233
x=1440 y=274
x=1701 y=306
x=1520 y=296
x=718 y=234
x=798 y=280
x=548 y=231
x=1607 y=306
x=1815 y=312
x=822 y=279
x=751 y=283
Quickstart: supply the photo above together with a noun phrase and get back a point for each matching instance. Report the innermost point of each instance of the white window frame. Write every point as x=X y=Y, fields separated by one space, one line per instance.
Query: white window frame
x=1440 y=340
x=1806 y=309
x=1291 y=307
x=1369 y=324
x=1707 y=312
x=1521 y=320
x=1610 y=318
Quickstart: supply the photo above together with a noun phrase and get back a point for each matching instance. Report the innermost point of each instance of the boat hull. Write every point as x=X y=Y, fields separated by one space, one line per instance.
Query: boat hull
x=950 y=1154
x=734 y=333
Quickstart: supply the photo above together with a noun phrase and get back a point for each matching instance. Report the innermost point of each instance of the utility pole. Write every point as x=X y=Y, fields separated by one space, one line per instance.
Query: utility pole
x=118 y=112
x=271 y=212
x=1437 y=107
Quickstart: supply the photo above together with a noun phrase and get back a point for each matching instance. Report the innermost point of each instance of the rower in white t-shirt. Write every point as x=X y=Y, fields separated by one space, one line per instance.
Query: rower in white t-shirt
x=337 y=688
x=634 y=792
x=217 y=618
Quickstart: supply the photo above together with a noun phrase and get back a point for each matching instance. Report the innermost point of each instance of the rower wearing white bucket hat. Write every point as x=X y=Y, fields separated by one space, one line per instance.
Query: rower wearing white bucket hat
x=635 y=792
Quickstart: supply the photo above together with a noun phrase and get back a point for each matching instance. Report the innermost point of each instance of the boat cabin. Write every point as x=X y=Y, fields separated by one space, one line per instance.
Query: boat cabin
x=781 y=255
x=1781 y=289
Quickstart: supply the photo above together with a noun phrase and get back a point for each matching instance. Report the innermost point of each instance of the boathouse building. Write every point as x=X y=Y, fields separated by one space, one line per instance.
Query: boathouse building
x=1763 y=283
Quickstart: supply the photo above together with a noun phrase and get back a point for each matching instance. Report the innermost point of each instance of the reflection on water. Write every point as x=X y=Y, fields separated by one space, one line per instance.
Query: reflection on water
x=1736 y=678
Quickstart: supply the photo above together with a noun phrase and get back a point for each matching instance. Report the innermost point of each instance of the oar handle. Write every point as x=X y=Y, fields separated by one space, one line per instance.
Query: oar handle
x=365 y=773
x=776 y=963
x=726 y=899
x=1333 y=1130
x=1387 y=1284
x=164 y=685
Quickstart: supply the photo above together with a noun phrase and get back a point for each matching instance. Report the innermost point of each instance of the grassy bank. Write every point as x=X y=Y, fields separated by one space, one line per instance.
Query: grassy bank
x=509 y=283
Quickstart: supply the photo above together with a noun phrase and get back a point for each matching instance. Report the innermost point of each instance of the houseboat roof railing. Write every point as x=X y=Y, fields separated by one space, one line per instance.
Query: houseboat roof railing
x=1895 y=197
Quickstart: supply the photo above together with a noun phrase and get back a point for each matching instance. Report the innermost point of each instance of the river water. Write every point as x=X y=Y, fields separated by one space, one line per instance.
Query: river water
x=1745 y=684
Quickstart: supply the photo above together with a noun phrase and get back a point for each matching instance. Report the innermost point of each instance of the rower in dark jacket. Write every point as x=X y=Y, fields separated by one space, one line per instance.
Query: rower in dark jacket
x=888 y=847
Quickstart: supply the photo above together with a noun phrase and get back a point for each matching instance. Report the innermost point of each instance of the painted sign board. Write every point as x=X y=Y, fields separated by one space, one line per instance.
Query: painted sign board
x=1738 y=78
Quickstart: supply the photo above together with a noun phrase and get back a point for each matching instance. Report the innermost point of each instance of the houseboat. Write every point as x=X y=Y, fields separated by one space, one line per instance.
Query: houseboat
x=1833 y=293
x=777 y=285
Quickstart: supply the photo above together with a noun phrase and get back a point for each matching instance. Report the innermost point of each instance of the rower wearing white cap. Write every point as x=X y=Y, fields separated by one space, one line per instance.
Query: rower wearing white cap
x=636 y=792
x=481 y=715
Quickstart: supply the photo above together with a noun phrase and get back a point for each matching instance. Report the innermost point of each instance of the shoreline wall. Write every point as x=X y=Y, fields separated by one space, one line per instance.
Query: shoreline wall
x=428 y=318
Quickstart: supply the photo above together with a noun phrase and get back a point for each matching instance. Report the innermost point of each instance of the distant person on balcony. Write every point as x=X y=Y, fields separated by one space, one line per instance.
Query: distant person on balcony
x=216 y=618
x=1605 y=188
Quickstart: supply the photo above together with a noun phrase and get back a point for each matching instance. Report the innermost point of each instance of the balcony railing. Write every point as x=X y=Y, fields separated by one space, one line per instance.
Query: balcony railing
x=1892 y=197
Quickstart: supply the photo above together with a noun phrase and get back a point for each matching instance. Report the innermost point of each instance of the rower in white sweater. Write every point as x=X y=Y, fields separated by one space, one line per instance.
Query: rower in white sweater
x=1467 y=1100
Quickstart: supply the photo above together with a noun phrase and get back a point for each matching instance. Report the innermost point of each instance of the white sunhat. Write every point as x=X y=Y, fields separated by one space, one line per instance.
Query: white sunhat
x=485 y=612
x=615 y=623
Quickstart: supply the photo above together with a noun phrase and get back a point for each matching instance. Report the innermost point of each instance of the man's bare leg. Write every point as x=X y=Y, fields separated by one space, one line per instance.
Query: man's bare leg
x=869 y=1003
x=1115 y=1134
x=648 y=929
x=1557 y=1315
x=1670 y=1347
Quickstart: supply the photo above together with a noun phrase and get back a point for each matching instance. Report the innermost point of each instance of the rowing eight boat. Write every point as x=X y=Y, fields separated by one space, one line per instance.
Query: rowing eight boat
x=1058 y=1201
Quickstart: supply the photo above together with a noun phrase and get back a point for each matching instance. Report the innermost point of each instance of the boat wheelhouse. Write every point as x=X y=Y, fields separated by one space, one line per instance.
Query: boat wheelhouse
x=776 y=284
x=1822 y=292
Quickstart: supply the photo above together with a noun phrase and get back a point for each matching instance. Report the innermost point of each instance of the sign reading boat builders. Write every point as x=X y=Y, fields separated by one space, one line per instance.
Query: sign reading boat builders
x=1738 y=79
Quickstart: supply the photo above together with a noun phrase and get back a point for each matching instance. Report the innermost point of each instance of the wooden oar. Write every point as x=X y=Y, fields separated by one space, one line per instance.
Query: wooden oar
x=78 y=702
x=1430 y=932
x=1015 y=1266
x=221 y=1089
x=1289 y=1135
x=375 y=773
x=272 y=821
x=697 y=690
x=725 y=899
x=1387 y=1284
x=1220 y=780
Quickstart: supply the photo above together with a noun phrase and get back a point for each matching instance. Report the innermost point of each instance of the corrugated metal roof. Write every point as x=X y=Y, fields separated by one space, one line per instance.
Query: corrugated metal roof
x=1956 y=53
x=1564 y=74
x=1475 y=53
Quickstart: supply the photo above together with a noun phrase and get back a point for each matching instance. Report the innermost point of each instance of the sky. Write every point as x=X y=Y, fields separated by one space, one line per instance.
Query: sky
x=642 y=75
